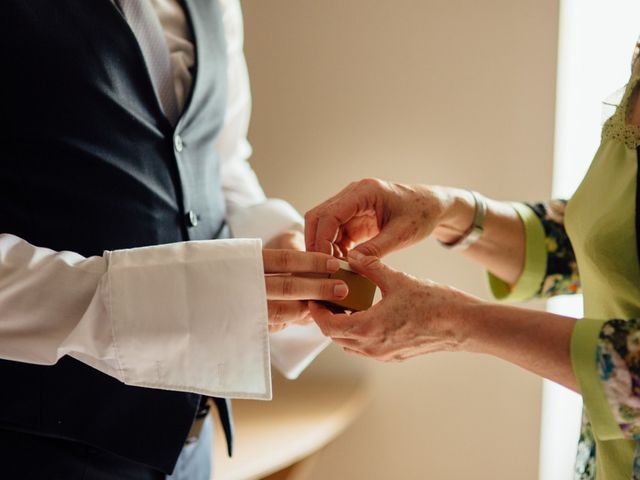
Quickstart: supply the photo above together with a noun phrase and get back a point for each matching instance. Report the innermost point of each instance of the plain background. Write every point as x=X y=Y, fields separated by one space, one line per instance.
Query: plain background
x=452 y=92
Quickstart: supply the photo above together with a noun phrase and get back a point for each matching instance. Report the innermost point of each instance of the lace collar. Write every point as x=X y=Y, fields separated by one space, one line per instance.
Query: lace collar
x=617 y=126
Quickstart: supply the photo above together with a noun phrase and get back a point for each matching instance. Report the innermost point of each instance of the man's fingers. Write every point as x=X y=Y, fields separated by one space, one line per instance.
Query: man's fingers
x=292 y=261
x=284 y=312
x=278 y=327
x=291 y=287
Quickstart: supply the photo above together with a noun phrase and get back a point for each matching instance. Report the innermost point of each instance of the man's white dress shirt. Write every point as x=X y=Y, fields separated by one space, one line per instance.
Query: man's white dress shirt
x=189 y=316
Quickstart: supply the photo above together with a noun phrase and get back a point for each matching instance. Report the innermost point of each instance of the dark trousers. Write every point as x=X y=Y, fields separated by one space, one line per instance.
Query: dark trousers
x=32 y=457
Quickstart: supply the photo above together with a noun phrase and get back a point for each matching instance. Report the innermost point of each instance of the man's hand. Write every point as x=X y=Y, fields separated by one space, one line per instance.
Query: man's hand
x=287 y=293
x=288 y=240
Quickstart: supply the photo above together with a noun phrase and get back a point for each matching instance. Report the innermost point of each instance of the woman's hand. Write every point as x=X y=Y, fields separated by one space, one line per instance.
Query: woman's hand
x=378 y=217
x=414 y=316
x=287 y=293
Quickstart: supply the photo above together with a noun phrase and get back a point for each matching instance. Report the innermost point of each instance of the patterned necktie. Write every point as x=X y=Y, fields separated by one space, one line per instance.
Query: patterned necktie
x=145 y=24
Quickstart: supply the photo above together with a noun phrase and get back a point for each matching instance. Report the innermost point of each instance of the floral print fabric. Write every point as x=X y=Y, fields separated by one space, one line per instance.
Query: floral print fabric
x=618 y=351
x=618 y=360
x=561 y=277
x=585 y=466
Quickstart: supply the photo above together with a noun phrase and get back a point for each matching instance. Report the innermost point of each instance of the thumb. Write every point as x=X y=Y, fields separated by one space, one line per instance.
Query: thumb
x=372 y=268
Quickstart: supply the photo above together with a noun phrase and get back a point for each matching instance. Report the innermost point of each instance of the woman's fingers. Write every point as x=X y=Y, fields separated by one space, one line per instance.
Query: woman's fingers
x=351 y=351
x=391 y=237
x=323 y=222
x=351 y=343
x=373 y=269
x=291 y=287
x=341 y=212
x=292 y=261
x=396 y=216
x=338 y=325
x=326 y=223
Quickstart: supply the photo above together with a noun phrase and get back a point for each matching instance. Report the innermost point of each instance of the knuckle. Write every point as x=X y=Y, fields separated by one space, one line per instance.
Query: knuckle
x=284 y=260
x=320 y=262
x=375 y=184
x=369 y=182
x=372 y=250
x=288 y=287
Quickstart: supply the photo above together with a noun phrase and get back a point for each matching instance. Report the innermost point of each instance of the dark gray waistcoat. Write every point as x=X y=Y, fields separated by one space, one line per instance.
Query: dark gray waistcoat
x=89 y=163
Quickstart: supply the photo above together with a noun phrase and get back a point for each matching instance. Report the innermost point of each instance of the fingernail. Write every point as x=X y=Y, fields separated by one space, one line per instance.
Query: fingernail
x=340 y=290
x=333 y=265
x=356 y=255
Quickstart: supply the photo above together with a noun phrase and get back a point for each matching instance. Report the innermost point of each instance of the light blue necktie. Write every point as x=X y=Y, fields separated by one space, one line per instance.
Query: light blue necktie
x=145 y=24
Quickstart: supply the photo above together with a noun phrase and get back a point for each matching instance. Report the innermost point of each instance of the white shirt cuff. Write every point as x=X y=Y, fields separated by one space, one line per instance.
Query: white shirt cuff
x=294 y=348
x=196 y=322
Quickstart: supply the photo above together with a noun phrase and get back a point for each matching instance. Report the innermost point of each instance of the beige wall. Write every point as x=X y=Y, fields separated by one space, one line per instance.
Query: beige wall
x=442 y=91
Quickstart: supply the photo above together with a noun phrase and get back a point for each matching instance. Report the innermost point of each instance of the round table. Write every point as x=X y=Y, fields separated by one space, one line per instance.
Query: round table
x=279 y=439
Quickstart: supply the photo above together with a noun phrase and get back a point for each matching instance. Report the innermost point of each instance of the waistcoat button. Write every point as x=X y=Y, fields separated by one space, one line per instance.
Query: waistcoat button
x=177 y=143
x=192 y=218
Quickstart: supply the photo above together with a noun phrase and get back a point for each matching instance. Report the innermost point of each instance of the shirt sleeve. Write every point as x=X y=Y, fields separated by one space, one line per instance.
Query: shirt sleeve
x=550 y=265
x=606 y=359
x=249 y=213
x=168 y=317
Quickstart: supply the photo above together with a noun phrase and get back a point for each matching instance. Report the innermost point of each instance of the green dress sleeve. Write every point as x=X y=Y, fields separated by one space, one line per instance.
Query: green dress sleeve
x=550 y=264
x=610 y=385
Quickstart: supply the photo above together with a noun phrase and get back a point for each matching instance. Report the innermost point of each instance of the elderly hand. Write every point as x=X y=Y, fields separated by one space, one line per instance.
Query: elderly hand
x=287 y=294
x=379 y=217
x=376 y=217
x=414 y=316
